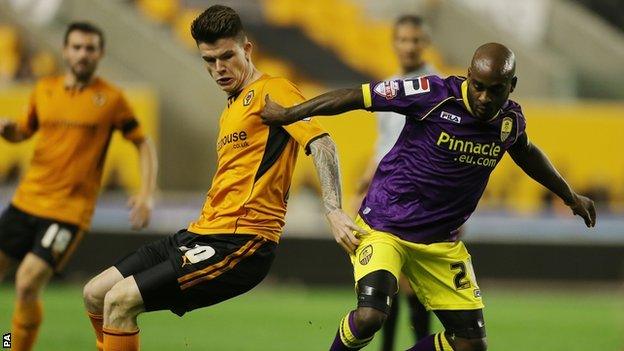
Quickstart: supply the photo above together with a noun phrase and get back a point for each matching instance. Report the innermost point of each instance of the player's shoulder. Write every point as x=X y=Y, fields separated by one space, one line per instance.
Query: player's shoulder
x=512 y=107
x=430 y=89
x=432 y=84
x=281 y=90
x=453 y=85
x=110 y=91
x=107 y=86
x=48 y=82
x=277 y=83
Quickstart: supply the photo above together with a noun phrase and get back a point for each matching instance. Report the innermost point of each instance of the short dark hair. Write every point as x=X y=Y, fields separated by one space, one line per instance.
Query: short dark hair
x=414 y=20
x=217 y=22
x=84 y=27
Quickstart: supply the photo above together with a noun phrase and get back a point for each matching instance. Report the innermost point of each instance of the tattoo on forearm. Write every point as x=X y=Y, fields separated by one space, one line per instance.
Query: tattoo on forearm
x=325 y=158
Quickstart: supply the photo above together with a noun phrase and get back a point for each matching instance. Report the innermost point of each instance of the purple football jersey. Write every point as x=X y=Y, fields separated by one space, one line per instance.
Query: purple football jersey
x=430 y=182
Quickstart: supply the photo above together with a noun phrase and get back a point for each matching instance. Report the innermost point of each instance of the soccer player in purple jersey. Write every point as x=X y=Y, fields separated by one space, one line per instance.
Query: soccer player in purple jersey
x=427 y=186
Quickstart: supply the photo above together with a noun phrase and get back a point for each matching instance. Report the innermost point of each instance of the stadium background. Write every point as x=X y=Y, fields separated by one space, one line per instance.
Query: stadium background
x=549 y=283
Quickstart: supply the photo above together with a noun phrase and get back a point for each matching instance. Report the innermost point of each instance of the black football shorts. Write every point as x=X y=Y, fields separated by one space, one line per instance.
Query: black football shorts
x=51 y=240
x=186 y=271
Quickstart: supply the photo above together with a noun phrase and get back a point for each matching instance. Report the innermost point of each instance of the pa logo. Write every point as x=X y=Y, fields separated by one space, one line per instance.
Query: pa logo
x=6 y=341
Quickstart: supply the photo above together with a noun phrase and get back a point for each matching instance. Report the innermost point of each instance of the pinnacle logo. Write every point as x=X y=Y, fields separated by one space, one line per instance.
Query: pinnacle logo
x=452 y=143
x=471 y=152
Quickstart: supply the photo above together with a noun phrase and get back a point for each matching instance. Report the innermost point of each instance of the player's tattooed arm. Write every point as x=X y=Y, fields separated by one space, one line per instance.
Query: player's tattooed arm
x=10 y=132
x=537 y=166
x=332 y=103
x=325 y=156
x=324 y=153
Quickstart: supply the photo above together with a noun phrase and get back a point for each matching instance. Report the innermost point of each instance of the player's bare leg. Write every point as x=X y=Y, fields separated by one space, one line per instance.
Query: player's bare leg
x=32 y=276
x=6 y=263
x=93 y=296
x=122 y=304
x=95 y=290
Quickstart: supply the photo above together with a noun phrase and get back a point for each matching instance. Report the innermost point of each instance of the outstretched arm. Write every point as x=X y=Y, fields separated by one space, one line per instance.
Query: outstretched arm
x=323 y=151
x=331 y=103
x=537 y=165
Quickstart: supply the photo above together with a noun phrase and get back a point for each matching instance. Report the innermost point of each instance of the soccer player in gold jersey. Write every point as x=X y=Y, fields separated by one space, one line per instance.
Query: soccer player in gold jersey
x=74 y=116
x=228 y=250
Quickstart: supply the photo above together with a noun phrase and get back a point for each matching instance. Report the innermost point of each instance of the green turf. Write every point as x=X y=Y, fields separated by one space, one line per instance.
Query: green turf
x=285 y=318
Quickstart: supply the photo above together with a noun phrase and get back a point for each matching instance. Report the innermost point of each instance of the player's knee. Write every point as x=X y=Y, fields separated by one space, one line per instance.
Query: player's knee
x=121 y=301
x=369 y=320
x=93 y=296
x=462 y=344
x=118 y=301
x=26 y=289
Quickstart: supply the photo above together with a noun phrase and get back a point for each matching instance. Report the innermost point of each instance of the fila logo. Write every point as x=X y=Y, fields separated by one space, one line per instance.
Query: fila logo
x=450 y=117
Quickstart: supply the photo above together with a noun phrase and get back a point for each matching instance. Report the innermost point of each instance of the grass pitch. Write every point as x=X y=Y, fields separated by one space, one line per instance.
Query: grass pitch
x=289 y=318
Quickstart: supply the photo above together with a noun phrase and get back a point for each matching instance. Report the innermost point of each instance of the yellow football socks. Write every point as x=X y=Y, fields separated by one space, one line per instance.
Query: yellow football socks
x=117 y=340
x=97 y=321
x=25 y=325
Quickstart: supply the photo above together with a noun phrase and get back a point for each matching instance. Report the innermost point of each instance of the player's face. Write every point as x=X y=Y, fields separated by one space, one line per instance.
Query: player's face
x=228 y=62
x=82 y=53
x=410 y=42
x=487 y=92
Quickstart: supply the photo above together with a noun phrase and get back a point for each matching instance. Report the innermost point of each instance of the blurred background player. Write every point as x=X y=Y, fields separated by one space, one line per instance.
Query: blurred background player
x=427 y=186
x=410 y=38
x=74 y=116
x=229 y=249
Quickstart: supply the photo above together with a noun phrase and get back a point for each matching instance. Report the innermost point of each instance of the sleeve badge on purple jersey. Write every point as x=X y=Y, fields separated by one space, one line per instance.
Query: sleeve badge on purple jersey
x=506 y=127
x=388 y=89
x=416 y=86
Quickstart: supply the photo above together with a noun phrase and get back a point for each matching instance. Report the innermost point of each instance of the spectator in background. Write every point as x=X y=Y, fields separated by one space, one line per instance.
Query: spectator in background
x=411 y=38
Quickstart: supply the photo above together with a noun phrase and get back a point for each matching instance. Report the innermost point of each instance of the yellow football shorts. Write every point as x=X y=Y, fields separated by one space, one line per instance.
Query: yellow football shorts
x=441 y=274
